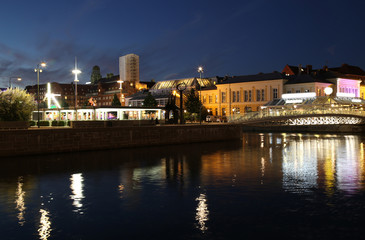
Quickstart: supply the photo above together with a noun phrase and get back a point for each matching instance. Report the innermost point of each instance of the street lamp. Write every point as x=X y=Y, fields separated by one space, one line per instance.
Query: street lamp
x=181 y=87
x=76 y=71
x=200 y=70
x=17 y=78
x=39 y=70
x=121 y=91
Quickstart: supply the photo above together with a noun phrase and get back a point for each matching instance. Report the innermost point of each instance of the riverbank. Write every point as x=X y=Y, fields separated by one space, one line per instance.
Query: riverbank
x=56 y=140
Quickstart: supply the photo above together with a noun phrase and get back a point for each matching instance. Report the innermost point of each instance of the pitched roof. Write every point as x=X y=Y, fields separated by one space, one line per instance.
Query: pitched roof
x=304 y=78
x=253 y=78
x=348 y=69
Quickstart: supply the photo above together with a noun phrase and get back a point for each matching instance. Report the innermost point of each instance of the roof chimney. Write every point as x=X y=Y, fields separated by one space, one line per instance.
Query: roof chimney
x=300 y=69
x=309 y=69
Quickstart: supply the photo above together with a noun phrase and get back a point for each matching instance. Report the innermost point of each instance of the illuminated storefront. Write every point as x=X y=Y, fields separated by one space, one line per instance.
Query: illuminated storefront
x=87 y=114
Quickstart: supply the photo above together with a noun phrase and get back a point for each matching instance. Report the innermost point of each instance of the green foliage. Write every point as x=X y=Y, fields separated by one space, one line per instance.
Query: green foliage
x=32 y=123
x=109 y=75
x=116 y=102
x=149 y=101
x=95 y=75
x=44 y=123
x=16 y=105
x=56 y=123
x=61 y=123
x=192 y=103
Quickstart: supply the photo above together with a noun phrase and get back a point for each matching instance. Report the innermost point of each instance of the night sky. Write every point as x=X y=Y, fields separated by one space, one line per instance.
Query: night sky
x=172 y=38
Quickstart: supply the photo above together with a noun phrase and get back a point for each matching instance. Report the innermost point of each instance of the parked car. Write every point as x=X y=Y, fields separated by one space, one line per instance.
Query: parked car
x=211 y=118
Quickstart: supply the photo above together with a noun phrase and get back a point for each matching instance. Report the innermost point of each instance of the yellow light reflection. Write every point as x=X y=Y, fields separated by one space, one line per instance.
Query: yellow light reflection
x=44 y=230
x=121 y=190
x=202 y=212
x=19 y=201
x=77 y=191
x=362 y=161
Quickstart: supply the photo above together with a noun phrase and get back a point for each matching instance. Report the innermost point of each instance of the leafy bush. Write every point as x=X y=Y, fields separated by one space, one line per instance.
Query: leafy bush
x=54 y=123
x=16 y=105
x=32 y=123
x=61 y=123
x=44 y=123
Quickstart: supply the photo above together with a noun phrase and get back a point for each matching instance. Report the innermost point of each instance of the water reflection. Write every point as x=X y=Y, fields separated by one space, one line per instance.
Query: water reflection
x=202 y=212
x=19 y=201
x=336 y=162
x=44 y=229
x=300 y=165
x=77 y=191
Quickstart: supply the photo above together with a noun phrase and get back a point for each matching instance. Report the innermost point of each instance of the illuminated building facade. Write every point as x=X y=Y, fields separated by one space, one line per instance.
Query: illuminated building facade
x=241 y=94
x=238 y=95
x=162 y=90
x=66 y=92
x=129 y=68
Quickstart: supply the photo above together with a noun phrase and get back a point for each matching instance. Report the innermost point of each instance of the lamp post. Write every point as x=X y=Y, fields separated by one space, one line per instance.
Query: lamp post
x=76 y=71
x=17 y=78
x=121 y=91
x=181 y=87
x=200 y=70
x=38 y=70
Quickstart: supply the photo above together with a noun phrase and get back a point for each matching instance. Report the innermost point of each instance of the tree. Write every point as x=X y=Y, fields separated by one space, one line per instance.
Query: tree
x=192 y=103
x=149 y=101
x=116 y=102
x=95 y=75
x=16 y=105
x=109 y=75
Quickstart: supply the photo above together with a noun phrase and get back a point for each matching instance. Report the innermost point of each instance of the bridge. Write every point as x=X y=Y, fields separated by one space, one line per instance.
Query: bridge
x=300 y=118
x=314 y=111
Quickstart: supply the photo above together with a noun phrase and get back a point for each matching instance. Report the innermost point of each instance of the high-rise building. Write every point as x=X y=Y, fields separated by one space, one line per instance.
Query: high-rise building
x=129 y=68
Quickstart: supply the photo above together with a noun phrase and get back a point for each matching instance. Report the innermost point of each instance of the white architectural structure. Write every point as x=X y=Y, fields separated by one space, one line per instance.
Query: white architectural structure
x=129 y=68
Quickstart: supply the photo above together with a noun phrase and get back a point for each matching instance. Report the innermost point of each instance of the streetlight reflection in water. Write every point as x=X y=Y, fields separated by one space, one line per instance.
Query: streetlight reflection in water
x=202 y=212
x=77 y=191
x=44 y=230
x=19 y=201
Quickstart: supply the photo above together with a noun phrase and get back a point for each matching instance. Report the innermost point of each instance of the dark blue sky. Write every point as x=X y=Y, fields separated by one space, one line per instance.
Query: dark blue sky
x=172 y=38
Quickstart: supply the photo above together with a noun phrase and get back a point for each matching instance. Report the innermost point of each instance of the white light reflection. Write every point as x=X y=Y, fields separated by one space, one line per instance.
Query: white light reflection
x=332 y=161
x=19 y=201
x=202 y=212
x=300 y=166
x=44 y=230
x=77 y=191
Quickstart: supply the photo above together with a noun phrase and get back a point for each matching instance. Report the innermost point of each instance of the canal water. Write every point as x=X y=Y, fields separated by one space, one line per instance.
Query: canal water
x=284 y=186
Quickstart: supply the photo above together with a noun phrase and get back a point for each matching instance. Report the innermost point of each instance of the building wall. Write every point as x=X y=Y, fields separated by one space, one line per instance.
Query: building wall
x=362 y=91
x=129 y=68
x=316 y=87
x=242 y=97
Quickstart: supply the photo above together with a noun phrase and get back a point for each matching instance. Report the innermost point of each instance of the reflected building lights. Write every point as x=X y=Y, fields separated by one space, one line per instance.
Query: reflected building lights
x=202 y=212
x=44 y=230
x=362 y=162
x=19 y=201
x=262 y=169
x=330 y=160
x=77 y=191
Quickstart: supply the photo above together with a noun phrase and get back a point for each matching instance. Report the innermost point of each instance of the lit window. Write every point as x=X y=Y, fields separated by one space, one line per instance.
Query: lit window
x=275 y=93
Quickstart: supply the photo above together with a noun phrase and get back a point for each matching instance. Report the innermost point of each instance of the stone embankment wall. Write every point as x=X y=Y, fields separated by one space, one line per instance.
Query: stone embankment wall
x=43 y=141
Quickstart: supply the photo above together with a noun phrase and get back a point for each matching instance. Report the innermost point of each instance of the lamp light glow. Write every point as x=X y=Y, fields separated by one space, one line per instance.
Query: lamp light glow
x=328 y=91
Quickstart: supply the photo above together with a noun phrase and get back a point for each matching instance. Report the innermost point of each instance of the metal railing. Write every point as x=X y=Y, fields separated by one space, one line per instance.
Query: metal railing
x=275 y=113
